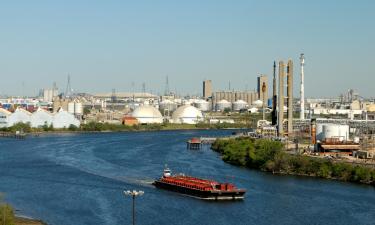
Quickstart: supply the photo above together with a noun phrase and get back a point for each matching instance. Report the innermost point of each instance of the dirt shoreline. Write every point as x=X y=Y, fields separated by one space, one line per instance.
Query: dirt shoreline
x=27 y=221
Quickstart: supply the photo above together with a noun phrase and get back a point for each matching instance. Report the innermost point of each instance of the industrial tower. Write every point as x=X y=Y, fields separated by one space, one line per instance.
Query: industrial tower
x=302 y=101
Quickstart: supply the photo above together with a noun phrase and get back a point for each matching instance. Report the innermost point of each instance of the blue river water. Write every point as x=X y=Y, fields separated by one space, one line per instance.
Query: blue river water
x=66 y=179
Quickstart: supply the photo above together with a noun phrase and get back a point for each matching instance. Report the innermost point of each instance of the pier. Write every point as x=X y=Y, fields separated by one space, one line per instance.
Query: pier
x=194 y=144
x=197 y=143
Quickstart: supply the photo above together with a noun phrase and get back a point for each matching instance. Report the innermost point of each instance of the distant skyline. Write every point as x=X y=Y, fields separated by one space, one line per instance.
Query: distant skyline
x=107 y=45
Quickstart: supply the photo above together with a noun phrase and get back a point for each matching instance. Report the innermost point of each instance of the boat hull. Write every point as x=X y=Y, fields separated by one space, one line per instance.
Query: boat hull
x=206 y=195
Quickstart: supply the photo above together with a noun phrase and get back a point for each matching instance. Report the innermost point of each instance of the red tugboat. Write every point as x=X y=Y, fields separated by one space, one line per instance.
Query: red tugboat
x=200 y=188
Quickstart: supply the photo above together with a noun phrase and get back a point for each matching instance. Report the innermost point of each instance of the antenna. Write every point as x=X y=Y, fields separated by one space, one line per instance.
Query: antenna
x=167 y=86
x=144 y=87
x=68 y=91
x=113 y=98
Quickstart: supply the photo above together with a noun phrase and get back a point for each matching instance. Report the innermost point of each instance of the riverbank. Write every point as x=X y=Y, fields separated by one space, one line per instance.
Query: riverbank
x=27 y=221
x=107 y=127
x=269 y=156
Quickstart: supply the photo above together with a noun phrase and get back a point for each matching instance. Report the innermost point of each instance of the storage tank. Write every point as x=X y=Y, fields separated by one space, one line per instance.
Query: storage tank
x=319 y=131
x=258 y=103
x=71 y=107
x=203 y=105
x=239 y=104
x=223 y=104
x=336 y=131
x=147 y=114
x=78 y=109
x=187 y=114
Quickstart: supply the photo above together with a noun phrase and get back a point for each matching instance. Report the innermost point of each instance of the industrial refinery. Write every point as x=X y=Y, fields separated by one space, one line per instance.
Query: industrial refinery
x=342 y=125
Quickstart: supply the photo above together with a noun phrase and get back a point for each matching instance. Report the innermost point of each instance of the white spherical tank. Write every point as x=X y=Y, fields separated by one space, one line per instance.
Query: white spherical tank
x=78 y=109
x=223 y=104
x=147 y=114
x=203 y=105
x=71 y=107
x=239 y=104
x=187 y=114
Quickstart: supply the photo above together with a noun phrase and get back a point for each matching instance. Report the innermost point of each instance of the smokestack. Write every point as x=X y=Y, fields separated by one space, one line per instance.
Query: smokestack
x=281 y=99
x=274 y=96
x=302 y=101
x=290 y=96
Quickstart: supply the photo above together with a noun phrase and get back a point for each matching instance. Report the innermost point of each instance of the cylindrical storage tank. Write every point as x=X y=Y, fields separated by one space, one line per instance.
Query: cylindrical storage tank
x=223 y=104
x=319 y=131
x=239 y=104
x=203 y=105
x=78 y=109
x=336 y=131
x=71 y=107
x=344 y=132
x=227 y=97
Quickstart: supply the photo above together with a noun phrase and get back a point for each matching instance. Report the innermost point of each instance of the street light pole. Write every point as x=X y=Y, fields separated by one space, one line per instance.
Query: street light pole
x=134 y=194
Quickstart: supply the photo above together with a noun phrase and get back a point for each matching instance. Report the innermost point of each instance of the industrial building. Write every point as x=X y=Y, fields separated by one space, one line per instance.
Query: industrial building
x=207 y=89
x=63 y=119
x=39 y=118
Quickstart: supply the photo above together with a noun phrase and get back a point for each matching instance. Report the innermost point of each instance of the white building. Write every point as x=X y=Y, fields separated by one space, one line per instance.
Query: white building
x=41 y=117
x=4 y=115
x=187 y=114
x=19 y=116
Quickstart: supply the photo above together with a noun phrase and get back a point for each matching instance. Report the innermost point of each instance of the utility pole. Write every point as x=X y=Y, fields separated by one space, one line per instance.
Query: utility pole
x=133 y=194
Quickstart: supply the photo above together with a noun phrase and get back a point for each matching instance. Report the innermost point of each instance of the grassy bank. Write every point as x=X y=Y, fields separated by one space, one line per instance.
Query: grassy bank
x=269 y=156
x=7 y=216
x=94 y=126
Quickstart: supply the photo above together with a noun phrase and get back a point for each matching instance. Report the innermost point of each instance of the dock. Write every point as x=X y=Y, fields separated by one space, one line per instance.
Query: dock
x=197 y=143
x=194 y=144
x=208 y=140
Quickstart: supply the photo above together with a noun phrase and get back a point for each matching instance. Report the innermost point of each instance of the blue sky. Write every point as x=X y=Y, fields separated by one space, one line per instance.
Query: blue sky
x=112 y=44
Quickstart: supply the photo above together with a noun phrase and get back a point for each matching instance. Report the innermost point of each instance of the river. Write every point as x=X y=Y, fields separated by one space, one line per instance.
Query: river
x=77 y=179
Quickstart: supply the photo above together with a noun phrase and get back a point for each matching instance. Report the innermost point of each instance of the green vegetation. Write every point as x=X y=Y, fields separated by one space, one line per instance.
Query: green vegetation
x=95 y=126
x=269 y=156
x=6 y=213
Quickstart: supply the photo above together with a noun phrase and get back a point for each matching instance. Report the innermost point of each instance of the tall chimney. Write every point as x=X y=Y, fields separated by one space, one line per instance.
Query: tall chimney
x=302 y=101
x=280 y=118
x=274 y=96
x=290 y=96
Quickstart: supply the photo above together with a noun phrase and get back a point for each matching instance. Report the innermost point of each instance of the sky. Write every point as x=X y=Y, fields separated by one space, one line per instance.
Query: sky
x=105 y=45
